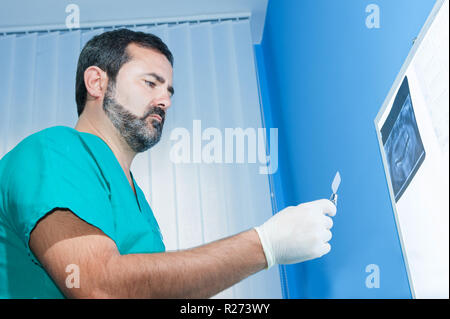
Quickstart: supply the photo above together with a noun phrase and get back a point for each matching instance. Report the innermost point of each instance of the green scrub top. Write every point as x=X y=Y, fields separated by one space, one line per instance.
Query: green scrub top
x=60 y=167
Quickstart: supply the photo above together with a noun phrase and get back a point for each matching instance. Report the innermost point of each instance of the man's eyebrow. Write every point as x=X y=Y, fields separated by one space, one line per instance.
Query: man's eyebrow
x=160 y=79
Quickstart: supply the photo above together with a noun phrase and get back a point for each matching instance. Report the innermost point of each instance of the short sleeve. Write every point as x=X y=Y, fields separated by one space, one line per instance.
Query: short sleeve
x=55 y=172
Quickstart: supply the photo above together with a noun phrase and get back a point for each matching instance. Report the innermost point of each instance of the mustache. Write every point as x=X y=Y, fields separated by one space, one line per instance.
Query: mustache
x=155 y=110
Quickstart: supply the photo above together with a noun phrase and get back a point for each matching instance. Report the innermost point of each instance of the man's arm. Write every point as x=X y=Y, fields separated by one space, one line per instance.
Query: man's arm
x=61 y=239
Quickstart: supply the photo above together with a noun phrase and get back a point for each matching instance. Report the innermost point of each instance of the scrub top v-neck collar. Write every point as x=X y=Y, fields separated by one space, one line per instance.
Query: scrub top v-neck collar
x=135 y=195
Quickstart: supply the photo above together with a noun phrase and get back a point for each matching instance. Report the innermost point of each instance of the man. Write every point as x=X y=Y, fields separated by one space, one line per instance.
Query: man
x=69 y=204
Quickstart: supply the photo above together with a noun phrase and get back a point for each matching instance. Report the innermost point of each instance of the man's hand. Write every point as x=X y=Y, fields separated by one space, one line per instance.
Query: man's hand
x=298 y=233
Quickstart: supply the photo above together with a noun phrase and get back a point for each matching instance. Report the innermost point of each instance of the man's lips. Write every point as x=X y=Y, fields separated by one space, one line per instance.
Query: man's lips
x=156 y=116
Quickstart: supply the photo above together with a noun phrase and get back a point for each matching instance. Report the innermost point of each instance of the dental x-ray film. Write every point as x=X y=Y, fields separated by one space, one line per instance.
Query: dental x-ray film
x=402 y=143
x=336 y=183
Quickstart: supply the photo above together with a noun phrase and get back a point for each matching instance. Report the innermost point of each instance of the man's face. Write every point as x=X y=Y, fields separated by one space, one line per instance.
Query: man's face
x=137 y=102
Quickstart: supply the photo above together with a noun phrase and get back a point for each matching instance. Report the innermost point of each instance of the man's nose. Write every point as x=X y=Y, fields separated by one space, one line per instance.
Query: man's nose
x=163 y=100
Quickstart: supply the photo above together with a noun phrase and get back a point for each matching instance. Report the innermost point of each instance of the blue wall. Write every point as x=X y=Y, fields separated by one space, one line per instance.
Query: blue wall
x=324 y=76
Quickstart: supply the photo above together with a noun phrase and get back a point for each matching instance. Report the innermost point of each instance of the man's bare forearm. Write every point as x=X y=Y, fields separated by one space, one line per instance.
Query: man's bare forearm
x=199 y=272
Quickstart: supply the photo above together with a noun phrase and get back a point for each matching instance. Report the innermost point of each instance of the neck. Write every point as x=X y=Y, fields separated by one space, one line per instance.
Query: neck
x=108 y=133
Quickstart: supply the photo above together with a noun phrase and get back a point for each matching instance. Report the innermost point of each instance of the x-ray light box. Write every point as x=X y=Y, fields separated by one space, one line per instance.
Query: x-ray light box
x=412 y=128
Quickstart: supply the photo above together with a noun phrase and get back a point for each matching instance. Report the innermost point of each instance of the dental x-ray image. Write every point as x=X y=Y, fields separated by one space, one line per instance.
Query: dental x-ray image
x=402 y=143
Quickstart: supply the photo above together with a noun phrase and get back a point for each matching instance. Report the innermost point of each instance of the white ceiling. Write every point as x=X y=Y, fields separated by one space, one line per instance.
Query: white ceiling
x=31 y=13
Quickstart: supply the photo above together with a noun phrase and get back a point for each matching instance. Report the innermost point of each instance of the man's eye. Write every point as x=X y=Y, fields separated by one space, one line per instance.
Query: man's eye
x=149 y=83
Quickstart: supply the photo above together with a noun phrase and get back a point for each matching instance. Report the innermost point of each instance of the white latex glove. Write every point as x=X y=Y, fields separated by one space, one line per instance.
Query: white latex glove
x=297 y=233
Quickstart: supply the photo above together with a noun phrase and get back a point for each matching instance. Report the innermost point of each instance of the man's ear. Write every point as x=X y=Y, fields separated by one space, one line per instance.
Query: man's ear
x=96 y=82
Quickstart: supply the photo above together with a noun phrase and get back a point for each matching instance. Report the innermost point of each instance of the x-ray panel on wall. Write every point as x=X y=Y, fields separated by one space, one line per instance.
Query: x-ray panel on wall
x=412 y=130
x=402 y=142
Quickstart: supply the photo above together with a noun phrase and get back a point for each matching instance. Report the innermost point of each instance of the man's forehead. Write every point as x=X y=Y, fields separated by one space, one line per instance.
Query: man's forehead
x=150 y=57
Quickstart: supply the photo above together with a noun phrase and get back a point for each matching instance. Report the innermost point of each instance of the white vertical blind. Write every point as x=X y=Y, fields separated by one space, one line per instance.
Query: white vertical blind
x=215 y=83
x=7 y=48
x=22 y=88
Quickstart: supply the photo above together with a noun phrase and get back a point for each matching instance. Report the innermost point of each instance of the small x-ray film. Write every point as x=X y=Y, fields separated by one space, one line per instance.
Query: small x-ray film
x=334 y=187
x=401 y=140
x=336 y=182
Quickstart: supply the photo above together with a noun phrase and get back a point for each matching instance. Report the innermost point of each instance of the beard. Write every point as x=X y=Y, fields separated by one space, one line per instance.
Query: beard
x=134 y=130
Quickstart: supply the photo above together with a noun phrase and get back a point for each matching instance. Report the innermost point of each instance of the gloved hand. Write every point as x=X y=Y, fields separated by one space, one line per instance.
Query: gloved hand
x=297 y=233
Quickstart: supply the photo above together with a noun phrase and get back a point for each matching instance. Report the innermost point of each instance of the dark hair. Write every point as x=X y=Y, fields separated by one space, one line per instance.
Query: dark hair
x=108 y=52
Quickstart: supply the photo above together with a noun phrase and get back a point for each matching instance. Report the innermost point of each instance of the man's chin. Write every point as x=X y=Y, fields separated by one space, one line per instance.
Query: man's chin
x=145 y=143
